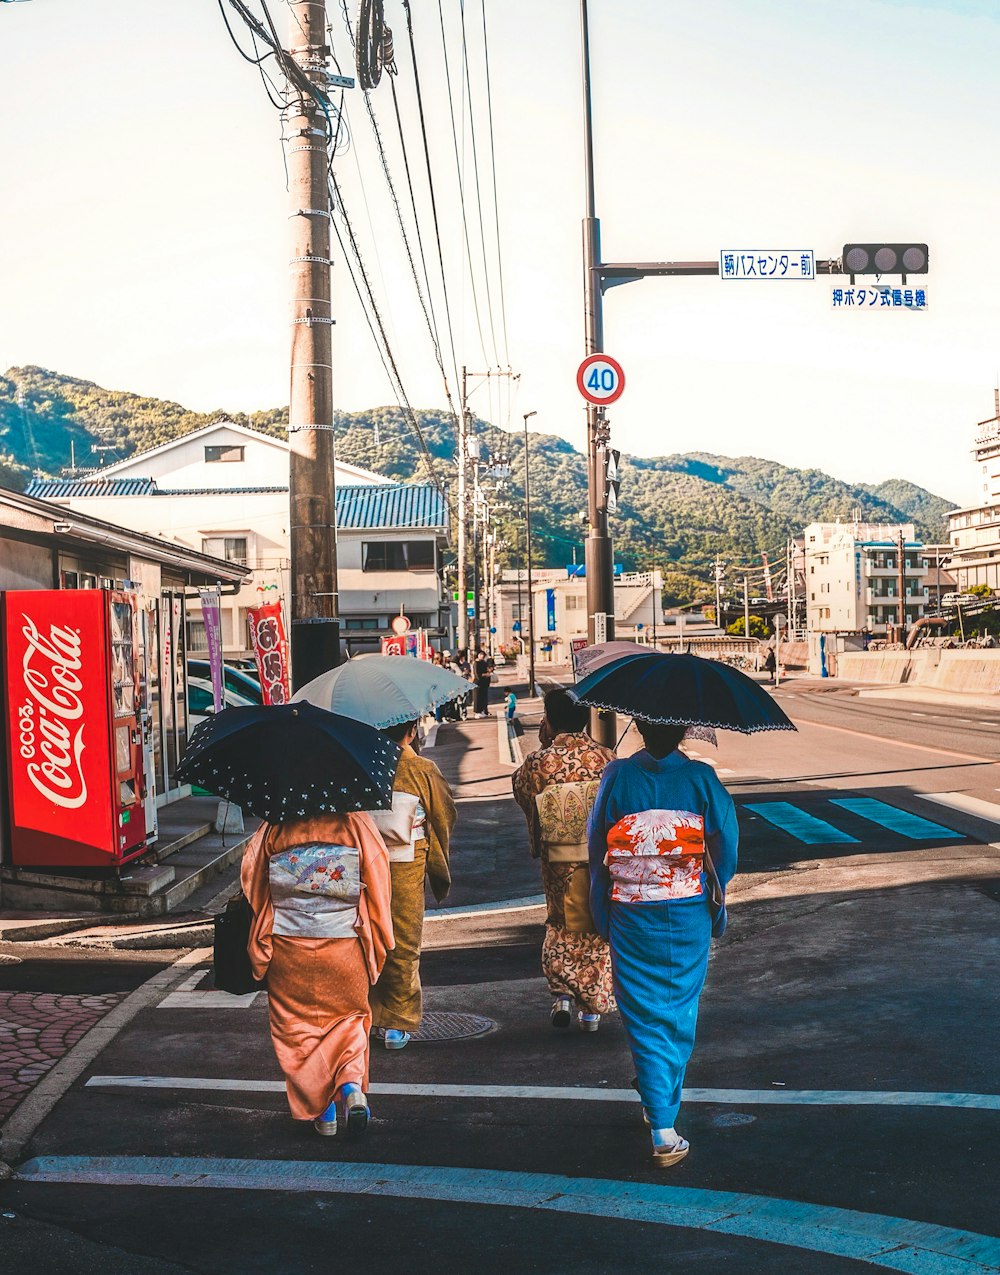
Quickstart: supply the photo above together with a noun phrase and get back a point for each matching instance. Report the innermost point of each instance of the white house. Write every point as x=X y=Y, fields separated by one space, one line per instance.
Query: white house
x=223 y=490
x=854 y=578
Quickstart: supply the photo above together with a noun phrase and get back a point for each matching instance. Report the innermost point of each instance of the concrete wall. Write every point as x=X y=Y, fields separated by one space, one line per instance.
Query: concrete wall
x=971 y=671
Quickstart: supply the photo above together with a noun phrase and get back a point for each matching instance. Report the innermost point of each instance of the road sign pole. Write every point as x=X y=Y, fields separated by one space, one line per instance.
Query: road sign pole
x=597 y=551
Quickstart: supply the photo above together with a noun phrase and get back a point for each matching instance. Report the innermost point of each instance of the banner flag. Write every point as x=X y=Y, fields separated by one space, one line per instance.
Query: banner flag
x=270 y=648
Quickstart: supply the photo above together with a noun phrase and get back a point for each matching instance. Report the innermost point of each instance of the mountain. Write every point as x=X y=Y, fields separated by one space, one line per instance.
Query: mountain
x=675 y=512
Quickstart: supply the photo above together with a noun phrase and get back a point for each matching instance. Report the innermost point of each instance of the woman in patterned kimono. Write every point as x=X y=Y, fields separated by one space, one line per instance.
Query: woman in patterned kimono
x=655 y=816
x=319 y=889
x=555 y=787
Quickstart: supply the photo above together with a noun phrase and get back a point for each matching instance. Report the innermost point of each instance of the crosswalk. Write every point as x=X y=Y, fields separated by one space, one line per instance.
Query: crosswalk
x=820 y=820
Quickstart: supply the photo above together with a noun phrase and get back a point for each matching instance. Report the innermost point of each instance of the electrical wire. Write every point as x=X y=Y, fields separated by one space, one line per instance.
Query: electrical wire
x=493 y=166
x=461 y=184
x=475 y=173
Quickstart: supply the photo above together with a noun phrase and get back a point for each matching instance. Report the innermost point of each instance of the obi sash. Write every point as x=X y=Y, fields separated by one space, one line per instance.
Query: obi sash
x=563 y=810
x=656 y=854
x=315 y=891
x=401 y=827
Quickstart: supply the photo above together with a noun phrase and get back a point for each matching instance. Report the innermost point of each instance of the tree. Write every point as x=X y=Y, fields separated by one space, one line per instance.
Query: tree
x=758 y=627
x=980 y=591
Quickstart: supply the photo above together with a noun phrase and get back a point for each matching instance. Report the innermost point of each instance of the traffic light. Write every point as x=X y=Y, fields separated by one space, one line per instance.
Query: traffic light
x=885 y=258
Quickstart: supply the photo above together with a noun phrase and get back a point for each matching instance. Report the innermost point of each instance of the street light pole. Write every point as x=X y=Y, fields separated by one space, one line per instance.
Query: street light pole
x=527 y=554
x=597 y=554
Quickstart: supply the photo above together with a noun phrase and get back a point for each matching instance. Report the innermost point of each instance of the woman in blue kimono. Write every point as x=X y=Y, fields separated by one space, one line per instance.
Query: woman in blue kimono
x=655 y=816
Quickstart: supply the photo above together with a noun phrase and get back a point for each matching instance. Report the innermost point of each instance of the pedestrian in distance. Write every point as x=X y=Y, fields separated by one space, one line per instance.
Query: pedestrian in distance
x=320 y=893
x=771 y=665
x=511 y=706
x=483 y=674
x=663 y=843
x=555 y=787
x=418 y=852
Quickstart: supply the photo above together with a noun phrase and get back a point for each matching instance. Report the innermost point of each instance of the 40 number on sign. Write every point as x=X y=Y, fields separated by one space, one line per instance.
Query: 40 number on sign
x=600 y=379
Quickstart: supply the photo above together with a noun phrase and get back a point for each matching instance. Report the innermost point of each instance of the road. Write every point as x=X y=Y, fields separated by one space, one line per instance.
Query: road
x=843 y=1100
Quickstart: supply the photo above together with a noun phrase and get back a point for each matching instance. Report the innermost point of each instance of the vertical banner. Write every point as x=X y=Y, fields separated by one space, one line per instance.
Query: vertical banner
x=211 y=614
x=166 y=663
x=550 y=610
x=270 y=648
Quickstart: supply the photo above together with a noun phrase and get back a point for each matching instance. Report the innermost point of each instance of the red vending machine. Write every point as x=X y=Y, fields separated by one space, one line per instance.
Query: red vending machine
x=74 y=735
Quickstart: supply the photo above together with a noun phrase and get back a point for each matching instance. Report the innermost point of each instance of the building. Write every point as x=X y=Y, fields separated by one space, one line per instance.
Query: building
x=974 y=532
x=223 y=491
x=46 y=546
x=854 y=579
x=560 y=607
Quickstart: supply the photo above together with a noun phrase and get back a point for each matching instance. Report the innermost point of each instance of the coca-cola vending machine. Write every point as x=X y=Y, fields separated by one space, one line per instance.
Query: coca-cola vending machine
x=74 y=730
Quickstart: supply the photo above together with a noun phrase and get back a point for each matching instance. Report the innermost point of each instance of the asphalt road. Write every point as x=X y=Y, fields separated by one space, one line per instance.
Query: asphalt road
x=847 y=1061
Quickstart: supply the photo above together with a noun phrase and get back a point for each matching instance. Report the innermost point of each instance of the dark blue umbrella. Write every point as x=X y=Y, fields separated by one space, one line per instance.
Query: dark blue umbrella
x=286 y=761
x=683 y=690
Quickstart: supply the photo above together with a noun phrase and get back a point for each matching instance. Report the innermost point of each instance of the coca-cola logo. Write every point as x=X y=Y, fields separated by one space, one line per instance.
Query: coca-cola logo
x=50 y=721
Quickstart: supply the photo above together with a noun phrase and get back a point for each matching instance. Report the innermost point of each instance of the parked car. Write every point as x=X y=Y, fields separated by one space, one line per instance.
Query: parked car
x=201 y=701
x=239 y=681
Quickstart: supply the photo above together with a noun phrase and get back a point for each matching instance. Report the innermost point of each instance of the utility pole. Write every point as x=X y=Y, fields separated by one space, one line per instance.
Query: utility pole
x=746 y=606
x=463 y=570
x=791 y=590
x=901 y=546
x=312 y=498
x=598 y=554
x=527 y=554
x=718 y=592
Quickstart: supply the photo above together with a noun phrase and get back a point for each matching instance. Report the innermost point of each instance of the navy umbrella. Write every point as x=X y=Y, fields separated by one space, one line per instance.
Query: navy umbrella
x=683 y=690
x=286 y=761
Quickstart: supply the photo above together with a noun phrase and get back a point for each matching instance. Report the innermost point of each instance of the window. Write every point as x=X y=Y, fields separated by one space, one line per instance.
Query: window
x=574 y=603
x=227 y=452
x=366 y=623
x=231 y=548
x=398 y=555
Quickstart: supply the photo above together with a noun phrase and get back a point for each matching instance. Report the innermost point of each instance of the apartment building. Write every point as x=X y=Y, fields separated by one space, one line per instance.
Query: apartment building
x=854 y=578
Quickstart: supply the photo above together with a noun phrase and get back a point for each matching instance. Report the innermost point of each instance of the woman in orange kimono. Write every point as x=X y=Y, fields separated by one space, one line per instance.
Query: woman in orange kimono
x=320 y=892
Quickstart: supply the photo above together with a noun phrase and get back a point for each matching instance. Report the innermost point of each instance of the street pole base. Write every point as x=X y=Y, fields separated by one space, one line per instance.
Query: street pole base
x=315 y=649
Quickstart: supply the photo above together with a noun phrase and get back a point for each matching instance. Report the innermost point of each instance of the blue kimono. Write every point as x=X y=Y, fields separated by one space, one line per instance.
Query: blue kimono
x=651 y=822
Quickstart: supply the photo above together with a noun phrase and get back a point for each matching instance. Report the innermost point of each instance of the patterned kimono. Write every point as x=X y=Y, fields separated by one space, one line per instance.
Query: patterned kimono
x=319 y=889
x=649 y=829
x=555 y=787
x=397 y=998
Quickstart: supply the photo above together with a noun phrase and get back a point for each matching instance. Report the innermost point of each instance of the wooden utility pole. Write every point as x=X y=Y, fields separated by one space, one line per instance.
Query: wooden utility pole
x=463 y=470
x=312 y=496
x=746 y=606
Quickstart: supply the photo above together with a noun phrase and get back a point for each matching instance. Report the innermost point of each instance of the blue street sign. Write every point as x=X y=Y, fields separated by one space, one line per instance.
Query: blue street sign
x=471 y=613
x=516 y=626
x=878 y=297
x=492 y=629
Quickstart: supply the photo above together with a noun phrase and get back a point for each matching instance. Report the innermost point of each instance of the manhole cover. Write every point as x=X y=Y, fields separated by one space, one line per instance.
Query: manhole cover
x=452 y=1027
x=732 y=1119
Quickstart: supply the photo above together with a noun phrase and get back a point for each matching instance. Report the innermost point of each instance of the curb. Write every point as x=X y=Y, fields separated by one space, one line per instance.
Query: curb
x=21 y=1124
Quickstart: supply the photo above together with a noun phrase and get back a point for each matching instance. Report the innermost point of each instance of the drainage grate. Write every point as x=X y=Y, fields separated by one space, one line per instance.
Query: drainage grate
x=452 y=1027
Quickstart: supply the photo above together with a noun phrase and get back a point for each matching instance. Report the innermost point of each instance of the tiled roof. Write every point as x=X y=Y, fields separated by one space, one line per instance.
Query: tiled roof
x=53 y=488
x=401 y=505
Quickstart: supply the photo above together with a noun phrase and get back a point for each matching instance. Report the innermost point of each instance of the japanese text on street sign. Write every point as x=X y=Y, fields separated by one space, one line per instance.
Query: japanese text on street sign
x=600 y=379
x=879 y=298
x=767 y=263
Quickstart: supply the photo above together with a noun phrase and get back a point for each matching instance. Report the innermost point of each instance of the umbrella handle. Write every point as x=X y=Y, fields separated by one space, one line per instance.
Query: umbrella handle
x=631 y=722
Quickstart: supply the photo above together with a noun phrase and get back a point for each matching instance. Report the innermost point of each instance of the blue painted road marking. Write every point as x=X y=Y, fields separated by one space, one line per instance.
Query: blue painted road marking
x=899 y=821
x=893 y=1243
x=802 y=826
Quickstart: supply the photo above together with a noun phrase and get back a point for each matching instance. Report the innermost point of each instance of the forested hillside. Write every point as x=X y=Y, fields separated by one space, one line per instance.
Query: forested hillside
x=675 y=512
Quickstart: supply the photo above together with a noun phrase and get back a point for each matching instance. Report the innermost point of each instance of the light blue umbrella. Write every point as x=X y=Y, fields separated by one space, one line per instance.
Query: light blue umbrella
x=384 y=690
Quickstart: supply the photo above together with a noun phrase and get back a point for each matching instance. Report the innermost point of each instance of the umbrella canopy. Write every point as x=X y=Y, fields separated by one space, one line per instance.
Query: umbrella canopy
x=591 y=658
x=384 y=690
x=290 y=760
x=683 y=690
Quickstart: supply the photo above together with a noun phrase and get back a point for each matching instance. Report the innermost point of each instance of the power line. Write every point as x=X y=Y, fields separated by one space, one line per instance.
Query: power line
x=461 y=184
x=496 y=206
x=475 y=172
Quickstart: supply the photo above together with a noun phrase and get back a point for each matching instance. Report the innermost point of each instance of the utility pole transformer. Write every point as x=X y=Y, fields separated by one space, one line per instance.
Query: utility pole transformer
x=315 y=629
x=597 y=551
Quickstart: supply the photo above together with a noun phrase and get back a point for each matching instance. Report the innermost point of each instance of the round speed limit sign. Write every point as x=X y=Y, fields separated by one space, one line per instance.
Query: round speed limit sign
x=600 y=379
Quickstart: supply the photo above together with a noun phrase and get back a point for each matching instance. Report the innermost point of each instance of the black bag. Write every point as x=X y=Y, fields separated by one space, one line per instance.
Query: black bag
x=232 y=962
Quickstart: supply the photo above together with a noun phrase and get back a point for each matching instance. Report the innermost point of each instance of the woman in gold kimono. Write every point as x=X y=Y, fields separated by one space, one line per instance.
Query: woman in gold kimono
x=417 y=832
x=320 y=893
x=555 y=787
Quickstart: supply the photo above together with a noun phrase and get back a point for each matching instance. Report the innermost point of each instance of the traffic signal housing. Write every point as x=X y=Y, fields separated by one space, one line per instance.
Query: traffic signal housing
x=885 y=258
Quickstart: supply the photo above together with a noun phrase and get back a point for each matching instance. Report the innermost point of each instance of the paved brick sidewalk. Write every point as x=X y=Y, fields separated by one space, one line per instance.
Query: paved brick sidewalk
x=36 y=1030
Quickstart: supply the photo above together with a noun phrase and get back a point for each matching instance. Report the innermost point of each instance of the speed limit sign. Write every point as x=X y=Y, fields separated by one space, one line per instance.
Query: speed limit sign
x=600 y=379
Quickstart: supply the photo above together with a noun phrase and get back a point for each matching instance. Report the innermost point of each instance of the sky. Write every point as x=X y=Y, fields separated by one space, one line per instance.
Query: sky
x=144 y=220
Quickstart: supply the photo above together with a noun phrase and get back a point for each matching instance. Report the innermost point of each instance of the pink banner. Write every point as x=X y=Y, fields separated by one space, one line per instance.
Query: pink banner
x=270 y=648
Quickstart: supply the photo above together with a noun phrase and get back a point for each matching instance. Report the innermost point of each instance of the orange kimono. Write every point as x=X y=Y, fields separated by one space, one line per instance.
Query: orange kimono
x=320 y=891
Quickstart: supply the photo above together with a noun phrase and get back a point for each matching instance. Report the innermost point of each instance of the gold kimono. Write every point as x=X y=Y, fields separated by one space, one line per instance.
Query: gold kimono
x=319 y=888
x=397 y=997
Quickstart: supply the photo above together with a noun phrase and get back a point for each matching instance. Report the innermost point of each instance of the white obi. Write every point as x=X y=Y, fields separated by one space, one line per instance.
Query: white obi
x=401 y=827
x=315 y=891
